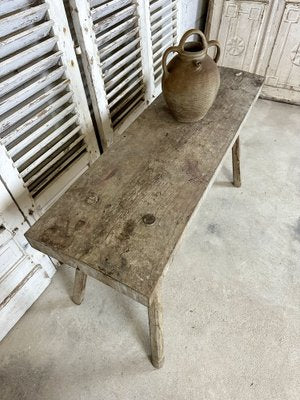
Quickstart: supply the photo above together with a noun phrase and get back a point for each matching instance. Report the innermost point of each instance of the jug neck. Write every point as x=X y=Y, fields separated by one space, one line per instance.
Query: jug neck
x=192 y=51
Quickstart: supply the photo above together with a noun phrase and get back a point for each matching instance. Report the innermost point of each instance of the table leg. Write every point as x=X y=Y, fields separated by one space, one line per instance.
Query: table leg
x=156 y=330
x=236 y=163
x=79 y=286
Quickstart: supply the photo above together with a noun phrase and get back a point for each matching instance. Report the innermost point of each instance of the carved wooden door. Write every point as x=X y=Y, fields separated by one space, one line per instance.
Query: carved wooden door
x=283 y=73
x=260 y=36
x=240 y=28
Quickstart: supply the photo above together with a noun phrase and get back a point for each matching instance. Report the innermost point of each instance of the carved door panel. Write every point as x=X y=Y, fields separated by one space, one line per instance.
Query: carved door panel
x=239 y=26
x=283 y=74
x=260 y=36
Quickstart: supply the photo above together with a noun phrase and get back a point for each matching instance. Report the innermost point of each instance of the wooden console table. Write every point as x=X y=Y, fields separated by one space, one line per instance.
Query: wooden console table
x=121 y=220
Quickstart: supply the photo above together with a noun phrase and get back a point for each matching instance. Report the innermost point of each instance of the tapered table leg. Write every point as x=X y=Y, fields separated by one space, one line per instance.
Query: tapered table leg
x=236 y=163
x=156 y=330
x=79 y=286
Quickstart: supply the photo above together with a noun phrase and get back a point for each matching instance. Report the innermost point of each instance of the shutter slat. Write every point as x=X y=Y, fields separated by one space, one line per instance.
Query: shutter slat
x=56 y=170
x=159 y=53
x=157 y=65
x=161 y=21
x=34 y=120
x=26 y=56
x=157 y=62
x=111 y=82
x=115 y=56
x=132 y=105
x=107 y=8
x=171 y=26
x=114 y=19
x=123 y=83
x=7 y=7
x=63 y=139
x=41 y=171
x=111 y=70
x=32 y=106
x=95 y=3
x=110 y=48
x=154 y=6
x=22 y=19
x=160 y=12
x=115 y=110
x=30 y=90
x=130 y=87
x=28 y=152
x=157 y=76
x=15 y=148
x=157 y=44
x=21 y=77
x=109 y=35
x=19 y=41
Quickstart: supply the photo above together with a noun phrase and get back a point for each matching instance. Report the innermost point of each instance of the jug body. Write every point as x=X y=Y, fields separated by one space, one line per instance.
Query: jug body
x=191 y=79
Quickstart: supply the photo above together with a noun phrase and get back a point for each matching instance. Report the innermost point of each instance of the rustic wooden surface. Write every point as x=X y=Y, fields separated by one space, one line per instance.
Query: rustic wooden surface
x=158 y=167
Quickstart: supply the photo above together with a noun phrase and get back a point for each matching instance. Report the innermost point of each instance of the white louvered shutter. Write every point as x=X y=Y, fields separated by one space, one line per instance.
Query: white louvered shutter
x=108 y=33
x=122 y=66
x=164 y=29
x=46 y=134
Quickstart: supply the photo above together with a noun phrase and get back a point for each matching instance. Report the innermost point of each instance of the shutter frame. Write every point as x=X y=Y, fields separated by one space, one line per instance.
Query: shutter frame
x=66 y=45
x=83 y=25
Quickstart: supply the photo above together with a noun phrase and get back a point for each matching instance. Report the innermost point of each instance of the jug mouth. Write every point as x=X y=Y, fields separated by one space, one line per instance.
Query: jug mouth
x=193 y=50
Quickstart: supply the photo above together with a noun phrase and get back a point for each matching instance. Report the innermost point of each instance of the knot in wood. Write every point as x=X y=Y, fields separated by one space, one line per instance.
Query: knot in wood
x=148 y=219
x=92 y=199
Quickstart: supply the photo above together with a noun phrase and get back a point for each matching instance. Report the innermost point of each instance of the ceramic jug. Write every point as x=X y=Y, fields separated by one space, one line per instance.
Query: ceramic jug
x=191 y=79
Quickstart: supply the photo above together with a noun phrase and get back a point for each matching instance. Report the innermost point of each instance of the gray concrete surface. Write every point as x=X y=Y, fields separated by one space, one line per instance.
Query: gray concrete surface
x=231 y=299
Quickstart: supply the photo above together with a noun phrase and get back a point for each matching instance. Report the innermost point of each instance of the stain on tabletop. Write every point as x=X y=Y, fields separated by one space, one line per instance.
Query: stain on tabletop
x=127 y=230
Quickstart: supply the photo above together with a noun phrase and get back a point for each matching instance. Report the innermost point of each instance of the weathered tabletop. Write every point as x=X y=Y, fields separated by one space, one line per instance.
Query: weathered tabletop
x=159 y=167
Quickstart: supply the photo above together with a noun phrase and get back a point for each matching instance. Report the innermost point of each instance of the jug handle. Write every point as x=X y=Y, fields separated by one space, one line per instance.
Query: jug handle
x=193 y=32
x=217 y=44
x=165 y=56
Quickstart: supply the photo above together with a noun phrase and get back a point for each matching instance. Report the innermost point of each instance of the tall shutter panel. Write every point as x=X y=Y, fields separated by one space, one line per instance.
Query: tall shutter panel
x=164 y=28
x=46 y=134
x=109 y=36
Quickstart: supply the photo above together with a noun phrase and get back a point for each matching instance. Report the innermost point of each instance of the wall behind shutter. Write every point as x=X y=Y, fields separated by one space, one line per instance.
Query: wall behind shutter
x=46 y=134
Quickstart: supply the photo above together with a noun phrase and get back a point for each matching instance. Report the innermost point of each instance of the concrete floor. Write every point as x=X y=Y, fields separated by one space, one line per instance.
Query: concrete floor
x=231 y=299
